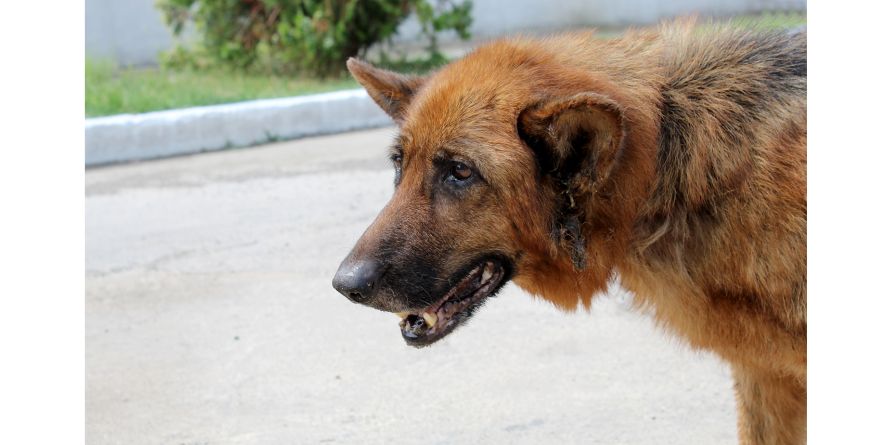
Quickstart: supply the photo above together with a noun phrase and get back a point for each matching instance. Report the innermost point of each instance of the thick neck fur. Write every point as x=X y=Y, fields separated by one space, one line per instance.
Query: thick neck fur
x=690 y=157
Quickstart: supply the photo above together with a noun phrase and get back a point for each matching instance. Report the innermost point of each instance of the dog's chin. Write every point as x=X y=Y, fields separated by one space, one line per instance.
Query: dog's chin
x=481 y=282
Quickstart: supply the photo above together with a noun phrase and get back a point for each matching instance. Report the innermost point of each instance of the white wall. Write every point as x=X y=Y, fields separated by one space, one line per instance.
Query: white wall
x=133 y=32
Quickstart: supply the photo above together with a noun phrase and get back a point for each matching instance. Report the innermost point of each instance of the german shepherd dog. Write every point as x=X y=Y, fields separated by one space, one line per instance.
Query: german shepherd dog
x=672 y=160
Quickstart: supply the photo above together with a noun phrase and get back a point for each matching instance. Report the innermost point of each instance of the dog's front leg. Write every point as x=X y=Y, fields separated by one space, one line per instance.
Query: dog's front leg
x=771 y=408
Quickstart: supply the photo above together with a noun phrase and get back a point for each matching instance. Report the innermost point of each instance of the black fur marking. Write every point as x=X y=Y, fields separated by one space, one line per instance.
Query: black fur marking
x=675 y=127
x=774 y=70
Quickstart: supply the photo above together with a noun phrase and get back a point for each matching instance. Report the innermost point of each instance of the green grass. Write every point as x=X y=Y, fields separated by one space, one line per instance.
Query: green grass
x=113 y=90
x=768 y=20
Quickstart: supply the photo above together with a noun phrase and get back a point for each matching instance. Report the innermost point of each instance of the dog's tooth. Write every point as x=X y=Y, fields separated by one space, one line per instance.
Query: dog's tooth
x=430 y=319
x=487 y=274
x=402 y=314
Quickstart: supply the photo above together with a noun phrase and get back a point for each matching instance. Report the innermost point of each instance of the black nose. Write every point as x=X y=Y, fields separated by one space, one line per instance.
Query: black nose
x=357 y=280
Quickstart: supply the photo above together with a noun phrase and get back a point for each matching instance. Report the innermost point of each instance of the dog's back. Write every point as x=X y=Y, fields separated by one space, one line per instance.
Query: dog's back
x=726 y=220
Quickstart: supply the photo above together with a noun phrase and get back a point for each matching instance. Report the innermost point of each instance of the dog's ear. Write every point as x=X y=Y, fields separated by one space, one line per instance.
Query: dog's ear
x=391 y=91
x=576 y=140
x=579 y=135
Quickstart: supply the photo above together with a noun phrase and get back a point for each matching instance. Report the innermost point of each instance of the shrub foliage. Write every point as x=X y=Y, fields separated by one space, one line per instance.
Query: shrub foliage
x=311 y=36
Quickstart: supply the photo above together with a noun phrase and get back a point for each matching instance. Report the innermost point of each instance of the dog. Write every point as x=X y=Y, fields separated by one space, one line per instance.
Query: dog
x=672 y=160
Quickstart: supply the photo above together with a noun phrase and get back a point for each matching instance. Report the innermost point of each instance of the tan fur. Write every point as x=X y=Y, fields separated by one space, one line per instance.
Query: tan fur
x=692 y=192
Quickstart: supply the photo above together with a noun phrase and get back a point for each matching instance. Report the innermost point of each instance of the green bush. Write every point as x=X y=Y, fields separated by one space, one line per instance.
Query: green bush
x=309 y=36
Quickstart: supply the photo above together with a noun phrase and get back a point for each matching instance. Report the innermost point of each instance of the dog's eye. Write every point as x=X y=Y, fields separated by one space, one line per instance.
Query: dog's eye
x=460 y=172
x=397 y=160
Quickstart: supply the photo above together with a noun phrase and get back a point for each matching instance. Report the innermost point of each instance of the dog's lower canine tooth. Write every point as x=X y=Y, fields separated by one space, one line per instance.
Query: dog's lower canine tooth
x=402 y=314
x=487 y=274
x=430 y=319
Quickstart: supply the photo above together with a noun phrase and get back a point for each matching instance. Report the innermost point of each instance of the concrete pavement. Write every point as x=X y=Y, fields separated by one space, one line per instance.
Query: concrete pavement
x=211 y=320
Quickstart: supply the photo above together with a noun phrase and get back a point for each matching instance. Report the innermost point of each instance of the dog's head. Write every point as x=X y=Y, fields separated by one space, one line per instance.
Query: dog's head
x=496 y=178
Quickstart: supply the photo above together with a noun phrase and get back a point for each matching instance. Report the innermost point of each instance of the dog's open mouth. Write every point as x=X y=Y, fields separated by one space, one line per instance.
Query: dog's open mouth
x=456 y=306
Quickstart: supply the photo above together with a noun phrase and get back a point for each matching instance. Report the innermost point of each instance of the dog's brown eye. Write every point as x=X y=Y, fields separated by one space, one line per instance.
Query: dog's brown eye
x=460 y=171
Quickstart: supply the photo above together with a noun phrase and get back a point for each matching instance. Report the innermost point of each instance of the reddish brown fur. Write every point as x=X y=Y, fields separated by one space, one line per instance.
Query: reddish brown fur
x=697 y=201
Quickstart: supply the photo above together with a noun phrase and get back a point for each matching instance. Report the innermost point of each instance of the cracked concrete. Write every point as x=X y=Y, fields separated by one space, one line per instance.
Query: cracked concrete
x=211 y=319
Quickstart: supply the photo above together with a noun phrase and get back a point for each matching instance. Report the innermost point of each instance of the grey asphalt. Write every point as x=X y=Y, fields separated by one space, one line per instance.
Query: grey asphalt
x=211 y=320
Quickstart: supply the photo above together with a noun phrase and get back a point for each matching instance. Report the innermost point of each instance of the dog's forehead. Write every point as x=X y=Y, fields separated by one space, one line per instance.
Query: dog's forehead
x=474 y=99
x=437 y=120
x=468 y=109
x=451 y=121
x=460 y=141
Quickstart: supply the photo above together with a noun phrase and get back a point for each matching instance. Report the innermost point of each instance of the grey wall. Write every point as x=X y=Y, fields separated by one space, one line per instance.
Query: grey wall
x=132 y=31
x=496 y=17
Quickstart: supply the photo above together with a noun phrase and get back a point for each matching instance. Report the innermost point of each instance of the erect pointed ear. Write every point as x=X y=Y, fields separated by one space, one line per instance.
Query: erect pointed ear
x=577 y=136
x=391 y=91
x=576 y=141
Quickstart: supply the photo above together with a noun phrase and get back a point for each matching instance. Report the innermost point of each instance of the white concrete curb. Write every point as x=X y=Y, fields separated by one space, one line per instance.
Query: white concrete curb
x=133 y=137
